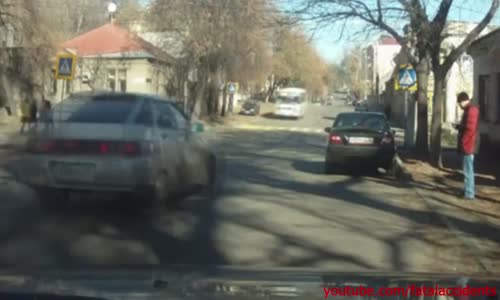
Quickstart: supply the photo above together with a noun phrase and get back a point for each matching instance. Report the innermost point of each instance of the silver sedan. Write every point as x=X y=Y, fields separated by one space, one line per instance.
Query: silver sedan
x=117 y=142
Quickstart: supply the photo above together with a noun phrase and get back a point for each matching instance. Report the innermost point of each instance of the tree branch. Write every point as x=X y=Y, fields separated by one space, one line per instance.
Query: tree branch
x=457 y=52
x=379 y=10
x=442 y=15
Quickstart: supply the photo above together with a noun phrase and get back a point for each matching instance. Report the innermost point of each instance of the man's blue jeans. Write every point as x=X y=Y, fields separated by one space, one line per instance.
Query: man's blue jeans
x=468 y=166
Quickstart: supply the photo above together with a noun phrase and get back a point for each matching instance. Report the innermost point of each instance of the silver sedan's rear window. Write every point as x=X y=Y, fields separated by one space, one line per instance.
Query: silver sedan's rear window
x=104 y=109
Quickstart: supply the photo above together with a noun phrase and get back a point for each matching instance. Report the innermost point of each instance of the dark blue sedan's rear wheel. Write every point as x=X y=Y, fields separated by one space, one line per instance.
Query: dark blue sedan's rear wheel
x=329 y=168
x=51 y=198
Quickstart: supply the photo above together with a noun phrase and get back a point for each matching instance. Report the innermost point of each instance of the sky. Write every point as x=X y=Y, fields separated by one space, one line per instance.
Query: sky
x=331 y=48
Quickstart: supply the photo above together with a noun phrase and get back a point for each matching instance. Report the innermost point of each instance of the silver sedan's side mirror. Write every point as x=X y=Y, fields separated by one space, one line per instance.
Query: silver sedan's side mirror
x=198 y=127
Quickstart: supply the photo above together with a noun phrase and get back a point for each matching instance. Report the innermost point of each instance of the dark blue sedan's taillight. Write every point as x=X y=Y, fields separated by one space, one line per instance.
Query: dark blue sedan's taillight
x=335 y=139
x=387 y=139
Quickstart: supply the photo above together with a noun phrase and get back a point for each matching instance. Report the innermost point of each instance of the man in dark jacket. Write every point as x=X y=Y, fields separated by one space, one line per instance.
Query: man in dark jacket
x=468 y=141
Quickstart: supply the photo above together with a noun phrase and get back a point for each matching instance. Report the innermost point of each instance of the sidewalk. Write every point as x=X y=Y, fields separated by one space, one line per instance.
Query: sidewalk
x=9 y=133
x=476 y=223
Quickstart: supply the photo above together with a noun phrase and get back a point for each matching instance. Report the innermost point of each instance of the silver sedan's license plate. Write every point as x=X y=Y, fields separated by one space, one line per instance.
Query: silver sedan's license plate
x=361 y=140
x=73 y=171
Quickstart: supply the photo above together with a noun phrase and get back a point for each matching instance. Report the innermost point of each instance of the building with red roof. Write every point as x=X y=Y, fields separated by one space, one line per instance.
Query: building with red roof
x=111 y=58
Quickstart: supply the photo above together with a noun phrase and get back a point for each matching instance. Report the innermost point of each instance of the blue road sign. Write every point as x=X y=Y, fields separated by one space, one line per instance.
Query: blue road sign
x=407 y=77
x=65 y=67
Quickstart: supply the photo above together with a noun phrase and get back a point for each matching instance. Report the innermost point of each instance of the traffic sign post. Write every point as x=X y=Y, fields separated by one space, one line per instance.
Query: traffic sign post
x=407 y=78
x=232 y=87
x=65 y=69
x=407 y=81
x=65 y=66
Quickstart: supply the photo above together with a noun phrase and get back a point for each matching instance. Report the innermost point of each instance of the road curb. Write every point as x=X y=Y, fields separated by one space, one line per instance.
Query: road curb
x=471 y=246
x=399 y=170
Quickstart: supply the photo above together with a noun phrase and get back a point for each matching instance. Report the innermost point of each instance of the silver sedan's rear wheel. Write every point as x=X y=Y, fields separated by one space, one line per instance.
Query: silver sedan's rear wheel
x=159 y=195
x=51 y=198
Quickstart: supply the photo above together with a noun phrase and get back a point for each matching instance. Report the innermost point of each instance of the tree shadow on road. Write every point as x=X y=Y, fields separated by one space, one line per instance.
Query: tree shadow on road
x=312 y=167
x=96 y=235
x=273 y=116
x=342 y=190
x=249 y=176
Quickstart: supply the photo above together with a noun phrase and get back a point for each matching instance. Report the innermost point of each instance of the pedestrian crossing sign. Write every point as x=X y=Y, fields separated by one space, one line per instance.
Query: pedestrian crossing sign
x=65 y=66
x=406 y=78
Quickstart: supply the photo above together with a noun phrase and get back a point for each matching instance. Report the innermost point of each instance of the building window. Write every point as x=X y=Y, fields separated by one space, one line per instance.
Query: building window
x=112 y=79
x=122 y=77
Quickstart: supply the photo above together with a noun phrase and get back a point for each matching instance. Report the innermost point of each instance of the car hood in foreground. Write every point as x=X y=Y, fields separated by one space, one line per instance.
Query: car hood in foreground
x=220 y=282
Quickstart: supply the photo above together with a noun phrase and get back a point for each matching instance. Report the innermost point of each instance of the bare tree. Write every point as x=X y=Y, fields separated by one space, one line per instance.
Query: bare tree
x=352 y=70
x=296 y=61
x=67 y=19
x=130 y=14
x=221 y=39
x=25 y=50
x=421 y=44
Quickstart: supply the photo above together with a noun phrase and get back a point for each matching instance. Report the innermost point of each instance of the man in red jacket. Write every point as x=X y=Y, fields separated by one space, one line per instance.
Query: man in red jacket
x=468 y=140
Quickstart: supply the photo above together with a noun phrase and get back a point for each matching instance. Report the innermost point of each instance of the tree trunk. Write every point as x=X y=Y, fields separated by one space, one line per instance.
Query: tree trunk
x=212 y=94
x=437 y=119
x=422 y=142
x=219 y=76
x=270 y=90
x=224 y=101
x=200 y=101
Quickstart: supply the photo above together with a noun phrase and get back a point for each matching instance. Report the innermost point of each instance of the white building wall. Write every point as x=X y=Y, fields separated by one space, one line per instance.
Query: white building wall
x=461 y=75
x=141 y=77
x=460 y=79
x=489 y=65
x=384 y=63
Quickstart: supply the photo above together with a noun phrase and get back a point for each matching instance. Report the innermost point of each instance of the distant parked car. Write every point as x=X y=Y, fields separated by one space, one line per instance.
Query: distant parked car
x=250 y=107
x=361 y=106
x=359 y=139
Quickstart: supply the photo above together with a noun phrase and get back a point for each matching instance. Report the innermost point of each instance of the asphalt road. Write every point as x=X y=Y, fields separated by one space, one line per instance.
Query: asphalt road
x=272 y=206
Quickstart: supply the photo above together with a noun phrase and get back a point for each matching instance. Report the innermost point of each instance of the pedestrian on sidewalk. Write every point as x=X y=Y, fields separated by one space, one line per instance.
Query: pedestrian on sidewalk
x=33 y=114
x=46 y=114
x=25 y=114
x=468 y=141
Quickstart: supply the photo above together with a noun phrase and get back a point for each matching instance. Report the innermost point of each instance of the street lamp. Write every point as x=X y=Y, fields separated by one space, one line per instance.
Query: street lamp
x=112 y=7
